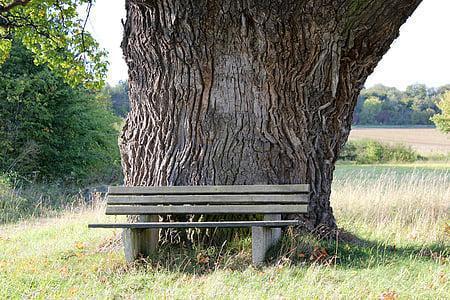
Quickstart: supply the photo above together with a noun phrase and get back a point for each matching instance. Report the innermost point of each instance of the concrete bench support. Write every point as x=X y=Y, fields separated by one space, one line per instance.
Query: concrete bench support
x=140 y=242
x=263 y=238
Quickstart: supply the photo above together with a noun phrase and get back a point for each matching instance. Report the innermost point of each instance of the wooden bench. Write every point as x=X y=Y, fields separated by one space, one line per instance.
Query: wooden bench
x=271 y=201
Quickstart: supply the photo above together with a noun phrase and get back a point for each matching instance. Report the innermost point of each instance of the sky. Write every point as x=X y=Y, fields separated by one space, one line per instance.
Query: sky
x=420 y=55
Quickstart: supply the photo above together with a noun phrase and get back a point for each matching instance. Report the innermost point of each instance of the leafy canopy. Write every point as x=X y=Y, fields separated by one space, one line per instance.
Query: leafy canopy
x=55 y=32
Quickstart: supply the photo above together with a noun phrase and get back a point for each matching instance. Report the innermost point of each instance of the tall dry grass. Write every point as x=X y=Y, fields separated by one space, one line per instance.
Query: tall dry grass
x=400 y=207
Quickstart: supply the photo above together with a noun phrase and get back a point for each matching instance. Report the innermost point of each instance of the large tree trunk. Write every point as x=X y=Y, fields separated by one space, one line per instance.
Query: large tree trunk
x=249 y=91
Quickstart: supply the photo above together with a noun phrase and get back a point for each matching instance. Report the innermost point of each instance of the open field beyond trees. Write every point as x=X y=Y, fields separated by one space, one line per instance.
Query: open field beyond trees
x=424 y=140
x=395 y=218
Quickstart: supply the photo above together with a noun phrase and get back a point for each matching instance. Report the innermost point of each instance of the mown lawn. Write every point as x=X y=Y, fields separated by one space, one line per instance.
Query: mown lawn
x=396 y=219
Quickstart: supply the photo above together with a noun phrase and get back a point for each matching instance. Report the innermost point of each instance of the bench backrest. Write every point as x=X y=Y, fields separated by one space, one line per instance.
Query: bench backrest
x=227 y=199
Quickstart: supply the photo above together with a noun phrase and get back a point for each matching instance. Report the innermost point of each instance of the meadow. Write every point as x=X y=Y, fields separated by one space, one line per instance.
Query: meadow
x=394 y=243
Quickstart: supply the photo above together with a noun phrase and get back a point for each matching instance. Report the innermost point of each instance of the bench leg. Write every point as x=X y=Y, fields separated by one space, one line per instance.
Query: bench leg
x=263 y=238
x=140 y=242
x=276 y=232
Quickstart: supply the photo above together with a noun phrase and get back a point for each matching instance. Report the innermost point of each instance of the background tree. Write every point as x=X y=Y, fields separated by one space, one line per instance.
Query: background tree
x=414 y=106
x=50 y=130
x=119 y=98
x=442 y=120
x=370 y=110
x=55 y=33
x=249 y=92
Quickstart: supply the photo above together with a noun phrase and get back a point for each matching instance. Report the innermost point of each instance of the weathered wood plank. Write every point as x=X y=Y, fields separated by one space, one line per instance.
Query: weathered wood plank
x=222 y=199
x=209 y=189
x=205 y=209
x=222 y=224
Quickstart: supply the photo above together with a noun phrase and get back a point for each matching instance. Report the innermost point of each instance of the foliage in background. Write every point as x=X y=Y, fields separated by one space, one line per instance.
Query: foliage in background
x=51 y=131
x=55 y=33
x=119 y=98
x=381 y=105
x=370 y=152
x=442 y=120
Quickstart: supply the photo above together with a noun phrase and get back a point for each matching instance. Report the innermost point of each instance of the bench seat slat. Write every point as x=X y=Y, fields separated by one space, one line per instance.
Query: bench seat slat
x=222 y=199
x=205 y=209
x=207 y=189
x=221 y=224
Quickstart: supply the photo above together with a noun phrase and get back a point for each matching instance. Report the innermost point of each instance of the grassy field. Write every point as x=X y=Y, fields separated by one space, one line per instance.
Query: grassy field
x=424 y=140
x=397 y=217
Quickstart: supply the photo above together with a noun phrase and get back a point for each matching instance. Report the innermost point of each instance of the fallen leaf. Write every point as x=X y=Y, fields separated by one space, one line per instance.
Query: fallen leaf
x=318 y=254
x=72 y=291
x=447 y=229
x=202 y=258
x=389 y=295
x=63 y=271
x=79 y=245
x=442 y=278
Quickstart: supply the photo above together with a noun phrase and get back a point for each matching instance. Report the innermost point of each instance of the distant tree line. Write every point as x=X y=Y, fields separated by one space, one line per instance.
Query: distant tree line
x=378 y=105
x=381 y=105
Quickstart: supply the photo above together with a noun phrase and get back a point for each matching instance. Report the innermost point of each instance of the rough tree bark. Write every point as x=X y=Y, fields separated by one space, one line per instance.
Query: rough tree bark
x=249 y=91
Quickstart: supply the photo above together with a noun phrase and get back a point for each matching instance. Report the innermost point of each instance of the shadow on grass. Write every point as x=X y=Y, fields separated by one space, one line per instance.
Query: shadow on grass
x=292 y=250
x=354 y=252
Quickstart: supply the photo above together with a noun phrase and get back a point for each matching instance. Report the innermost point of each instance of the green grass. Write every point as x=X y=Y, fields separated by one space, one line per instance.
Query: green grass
x=400 y=245
x=65 y=260
x=394 y=126
x=345 y=170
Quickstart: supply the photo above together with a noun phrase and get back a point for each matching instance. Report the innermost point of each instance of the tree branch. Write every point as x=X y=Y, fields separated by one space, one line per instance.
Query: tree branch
x=13 y=4
x=88 y=12
x=370 y=27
